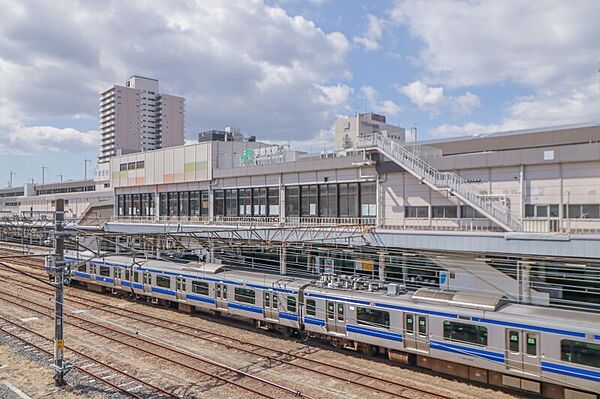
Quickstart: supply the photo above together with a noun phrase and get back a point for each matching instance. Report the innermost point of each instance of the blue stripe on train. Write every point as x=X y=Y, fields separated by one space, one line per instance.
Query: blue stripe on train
x=465 y=350
x=82 y=275
x=571 y=371
x=528 y=327
x=163 y=291
x=247 y=308
x=105 y=279
x=288 y=316
x=374 y=333
x=200 y=298
x=313 y=321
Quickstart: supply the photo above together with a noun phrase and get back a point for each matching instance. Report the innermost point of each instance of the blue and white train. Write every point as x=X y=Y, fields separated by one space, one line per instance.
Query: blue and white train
x=551 y=352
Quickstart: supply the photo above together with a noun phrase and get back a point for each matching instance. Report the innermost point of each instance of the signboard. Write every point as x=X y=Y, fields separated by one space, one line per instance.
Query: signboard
x=364 y=264
x=328 y=266
x=262 y=155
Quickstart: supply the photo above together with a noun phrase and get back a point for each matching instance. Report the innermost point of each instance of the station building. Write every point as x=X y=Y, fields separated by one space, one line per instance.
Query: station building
x=546 y=180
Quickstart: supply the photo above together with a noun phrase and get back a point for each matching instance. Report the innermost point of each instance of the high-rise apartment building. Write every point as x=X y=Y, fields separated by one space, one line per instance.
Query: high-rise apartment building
x=136 y=117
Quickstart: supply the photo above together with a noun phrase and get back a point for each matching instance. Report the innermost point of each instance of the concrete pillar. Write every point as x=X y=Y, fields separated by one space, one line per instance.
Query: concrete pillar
x=382 y=265
x=282 y=259
x=404 y=269
x=524 y=280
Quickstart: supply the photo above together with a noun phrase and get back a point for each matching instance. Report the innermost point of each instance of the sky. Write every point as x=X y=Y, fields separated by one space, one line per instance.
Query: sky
x=284 y=70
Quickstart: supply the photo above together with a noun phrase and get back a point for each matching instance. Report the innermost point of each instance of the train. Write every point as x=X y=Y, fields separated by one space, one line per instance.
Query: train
x=554 y=353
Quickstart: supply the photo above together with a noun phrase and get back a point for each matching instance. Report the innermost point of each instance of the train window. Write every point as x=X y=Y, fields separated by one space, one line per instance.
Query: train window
x=462 y=332
x=373 y=317
x=513 y=341
x=410 y=323
x=224 y=292
x=274 y=301
x=245 y=295
x=266 y=299
x=136 y=276
x=180 y=284
x=422 y=325
x=330 y=310
x=311 y=307
x=579 y=352
x=340 y=311
x=200 y=287
x=531 y=348
x=163 y=281
x=291 y=304
x=127 y=274
x=118 y=273
x=104 y=271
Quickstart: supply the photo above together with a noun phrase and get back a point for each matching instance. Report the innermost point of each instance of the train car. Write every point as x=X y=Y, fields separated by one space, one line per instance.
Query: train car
x=477 y=336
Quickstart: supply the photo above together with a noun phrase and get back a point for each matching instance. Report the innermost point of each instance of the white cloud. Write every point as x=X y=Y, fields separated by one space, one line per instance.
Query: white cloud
x=550 y=48
x=432 y=99
x=551 y=108
x=385 y=107
x=240 y=62
x=481 y=42
x=370 y=39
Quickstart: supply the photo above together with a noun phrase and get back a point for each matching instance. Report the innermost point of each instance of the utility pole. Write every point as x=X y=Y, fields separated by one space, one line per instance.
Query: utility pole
x=60 y=176
x=43 y=176
x=60 y=368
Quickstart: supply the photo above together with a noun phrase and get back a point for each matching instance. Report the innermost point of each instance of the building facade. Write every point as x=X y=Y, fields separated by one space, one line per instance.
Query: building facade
x=348 y=129
x=548 y=180
x=137 y=117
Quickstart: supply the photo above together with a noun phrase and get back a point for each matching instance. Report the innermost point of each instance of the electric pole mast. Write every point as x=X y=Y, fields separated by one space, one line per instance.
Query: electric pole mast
x=59 y=280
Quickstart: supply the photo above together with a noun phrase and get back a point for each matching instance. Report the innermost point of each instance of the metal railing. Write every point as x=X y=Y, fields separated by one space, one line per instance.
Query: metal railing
x=489 y=206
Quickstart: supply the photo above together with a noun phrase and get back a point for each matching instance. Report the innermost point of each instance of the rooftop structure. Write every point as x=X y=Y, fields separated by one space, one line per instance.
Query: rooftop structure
x=137 y=117
x=348 y=129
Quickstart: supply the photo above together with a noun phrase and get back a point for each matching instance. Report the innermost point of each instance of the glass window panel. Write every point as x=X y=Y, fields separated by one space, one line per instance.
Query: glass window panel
x=173 y=204
x=204 y=203
x=231 y=203
x=368 y=202
x=184 y=203
x=574 y=211
x=195 y=203
x=513 y=341
x=219 y=203
x=292 y=201
x=273 y=201
x=541 y=211
x=590 y=211
x=553 y=211
x=579 y=352
x=531 y=344
x=529 y=211
x=373 y=317
x=463 y=332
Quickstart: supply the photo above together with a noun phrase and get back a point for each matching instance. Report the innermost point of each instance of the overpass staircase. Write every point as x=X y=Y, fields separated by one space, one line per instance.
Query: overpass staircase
x=491 y=207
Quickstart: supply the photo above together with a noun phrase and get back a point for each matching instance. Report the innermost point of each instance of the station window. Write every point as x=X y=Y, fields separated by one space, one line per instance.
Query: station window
x=368 y=202
x=348 y=199
x=219 y=203
x=245 y=295
x=273 y=201
x=467 y=212
x=328 y=200
x=373 y=317
x=584 y=353
x=308 y=197
x=194 y=203
x=292 y=201
x=173 y=203
x=259 y=201
x=163 y=281
x=416 y=212
x=204 y=203
x=164 y=204
x=444 y=212
x=291 y=304
x=231 y=201
x=463 y=332
x=200 y=287
x=245 y=201
x=586 y=211
x=311 y=307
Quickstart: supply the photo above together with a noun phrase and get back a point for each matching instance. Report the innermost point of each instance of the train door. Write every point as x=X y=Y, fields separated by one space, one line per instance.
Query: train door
x=180 y=287
x=147 y=281
x=92 y=271
x=416 y=332
x=221 y=296
x=118 y=276
x=523 y=350
x=270 y=305
x=336 y=317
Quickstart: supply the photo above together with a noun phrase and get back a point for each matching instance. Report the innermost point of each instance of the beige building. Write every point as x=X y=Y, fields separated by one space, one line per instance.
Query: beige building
x=136 y=117
x=348 y=129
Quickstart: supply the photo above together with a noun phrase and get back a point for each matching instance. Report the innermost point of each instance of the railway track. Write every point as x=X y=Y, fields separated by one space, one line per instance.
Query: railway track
x=172 y=355
x=23 y=338
x=355 y=377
